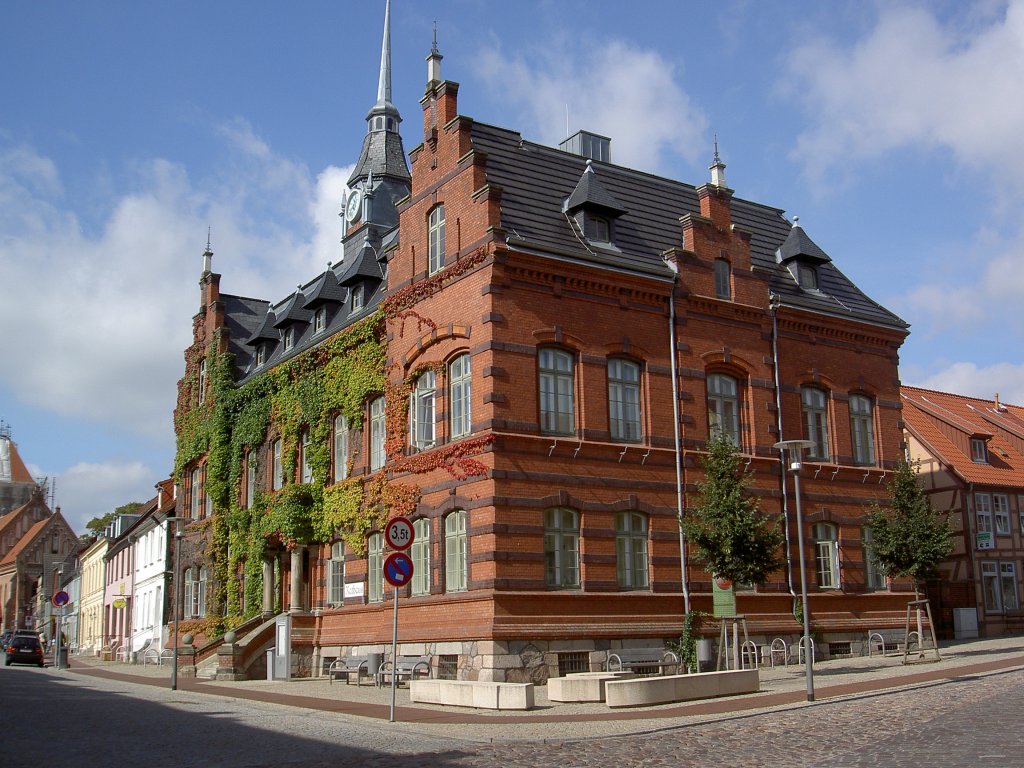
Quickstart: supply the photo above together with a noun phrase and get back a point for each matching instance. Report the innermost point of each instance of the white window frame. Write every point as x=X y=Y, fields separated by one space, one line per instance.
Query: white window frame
x=357 y=297
x=306 y=469
x=624 y=413
x=983 y=512
x=336 y=575
x=862 y=430
x=250 y=479
x=277 y=481
x=460 y=388
x=200 y=592
x=455 y=551
x=289 y=338
x=378 y=434
x=319 y=320
x=436 y=238
x=724 y=406
x=1008 y=585
x=340 y=448
x=1001 y=513
x=422 y=401
x=631 y=550
x=375 y=567
x=814 y=402
x=195 y=493
x=826 y=555
x=189 y=601
x=261 y=355
x=979 y=451
x=202 y=381
x=561 y=548
x=557 y=385
x=419 y=552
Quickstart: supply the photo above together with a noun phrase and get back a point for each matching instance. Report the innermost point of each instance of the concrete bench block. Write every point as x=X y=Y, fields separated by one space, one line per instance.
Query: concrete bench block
x=644 y=691
x=583 y=686
x=472 y=693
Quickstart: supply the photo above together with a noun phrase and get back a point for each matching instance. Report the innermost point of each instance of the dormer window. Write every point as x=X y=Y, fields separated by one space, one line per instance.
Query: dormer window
x=807 y=277
x=289 y=339
x=261 y=355
x=320 y=320
x=597 y=228
x=357 y=298
x=979 y=451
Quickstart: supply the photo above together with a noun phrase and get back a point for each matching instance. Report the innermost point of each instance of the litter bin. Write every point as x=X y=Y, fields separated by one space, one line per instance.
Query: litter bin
x=61 y=658
x=373 y=662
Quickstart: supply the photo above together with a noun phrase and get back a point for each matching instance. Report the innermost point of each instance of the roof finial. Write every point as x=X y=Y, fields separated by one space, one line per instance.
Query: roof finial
x=717 y=168
x=796 y=221
x=433 y=48
x=434 y=61
x=207 y=254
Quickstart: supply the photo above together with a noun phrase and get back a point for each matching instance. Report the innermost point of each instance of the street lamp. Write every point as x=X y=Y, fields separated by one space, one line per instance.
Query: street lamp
x=793 y=450
x=177 y=581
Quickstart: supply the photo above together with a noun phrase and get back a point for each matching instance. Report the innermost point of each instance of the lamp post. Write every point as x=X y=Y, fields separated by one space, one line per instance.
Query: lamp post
x=174 y=636
x=794 y=450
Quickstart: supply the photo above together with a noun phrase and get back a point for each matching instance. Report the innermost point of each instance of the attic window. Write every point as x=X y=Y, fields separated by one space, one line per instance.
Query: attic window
x=807 y=277
x=289 y=339
x=320 y=320
x=357 y=298
x=979 y=452
x=597 y=228
x=261 y=355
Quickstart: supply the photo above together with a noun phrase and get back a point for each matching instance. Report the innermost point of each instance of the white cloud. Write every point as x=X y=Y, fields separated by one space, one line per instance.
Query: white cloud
x=917 y=83
x=982 y=382
x=639 y=103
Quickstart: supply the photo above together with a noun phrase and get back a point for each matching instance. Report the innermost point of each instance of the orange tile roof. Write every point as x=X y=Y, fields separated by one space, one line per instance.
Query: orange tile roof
x=19 y=472
x=932 y=416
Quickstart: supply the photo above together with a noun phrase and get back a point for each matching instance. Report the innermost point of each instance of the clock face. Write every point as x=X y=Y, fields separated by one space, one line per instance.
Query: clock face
x=354 y=206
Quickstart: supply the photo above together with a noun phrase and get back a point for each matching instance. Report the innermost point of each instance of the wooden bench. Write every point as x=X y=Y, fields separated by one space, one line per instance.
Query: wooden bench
x=347 y=666
x=885 y=640
x=641 y=659
x=406 y=668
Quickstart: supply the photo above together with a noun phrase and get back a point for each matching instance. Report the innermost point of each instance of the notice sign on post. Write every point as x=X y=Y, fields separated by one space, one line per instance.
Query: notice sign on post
x=399 y=533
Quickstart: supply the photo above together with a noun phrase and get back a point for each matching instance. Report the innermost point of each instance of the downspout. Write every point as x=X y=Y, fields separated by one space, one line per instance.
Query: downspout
x=675 y=421
x=773 y=306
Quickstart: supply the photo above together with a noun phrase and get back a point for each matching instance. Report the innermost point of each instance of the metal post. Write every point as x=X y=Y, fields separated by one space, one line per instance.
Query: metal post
x=60 y=614
x=808 y=652
x=394 y=656
x=177 y=563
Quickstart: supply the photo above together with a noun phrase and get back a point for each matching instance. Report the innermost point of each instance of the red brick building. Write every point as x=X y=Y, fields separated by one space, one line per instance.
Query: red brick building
x=563 y=334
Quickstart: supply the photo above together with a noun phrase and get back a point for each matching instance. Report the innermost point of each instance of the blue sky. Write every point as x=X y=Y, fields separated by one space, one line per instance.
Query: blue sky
x=892 y=129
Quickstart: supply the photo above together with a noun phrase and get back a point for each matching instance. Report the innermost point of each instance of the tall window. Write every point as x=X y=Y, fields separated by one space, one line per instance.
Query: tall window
x=377 y=434
x=278 y=480
x=357 y=298
x=724 y=407
x=1001 y=512
x=862 y=428
x=723 y=279
x=200 y=592
x=1008 y=583
x=289 y=339
x=202 y=382
x=557 y=412
x=420 y=554
x=435 y=248
x=827 y=555
x=195 y=592
x=979 y=451
x=455 y=565
x=336 y=574
x=340 y=447
x=307 y=466
x=983 y=510
x=873 y=576
x=421 y=412
x=999 y=583
x=460 y=394
x=375 y=567
x=196 y=494
x=561 y=547
x=815 y=403
x=624 y=400
x=250 y=479
x=189 y=604
x=631 y=549
x=320 y=320
x=261 y=355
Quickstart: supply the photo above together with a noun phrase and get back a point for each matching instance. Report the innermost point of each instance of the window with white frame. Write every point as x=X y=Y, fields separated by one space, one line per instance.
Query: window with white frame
x=421 y=412
x=375 y=567
x=435 y=227
x=196 y=491
x=983 y=512
x=261 y=355
x=723 y=279
x=724 y=407
x=1008 y=582
x=999 y=585
x=377 y=434
x=1001 y=513
x=979 y=451
x=419 y=552
x=874 y=578
x=624 y=400
x=289 y=339
x=320 y=320
x=250 y=479
x=357 y=298
x=202 y=382
x=1020 y=513
x=455 y=551
x=306 y=468
x=460 y=396
x=815 y=406
x=826 y=543
x=277 y=482
x=561 y=547
x=862 y=429
x=340 y=447
x=190 y=587
x=631 y=549
x=200 y=592
x=557 y=391
x=336 y=575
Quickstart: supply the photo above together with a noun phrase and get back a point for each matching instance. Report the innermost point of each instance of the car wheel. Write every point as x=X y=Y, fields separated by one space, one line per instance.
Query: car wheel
x=40 y=665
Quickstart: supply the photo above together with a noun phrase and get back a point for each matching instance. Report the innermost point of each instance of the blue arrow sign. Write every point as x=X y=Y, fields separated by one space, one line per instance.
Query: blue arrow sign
x=398 y=569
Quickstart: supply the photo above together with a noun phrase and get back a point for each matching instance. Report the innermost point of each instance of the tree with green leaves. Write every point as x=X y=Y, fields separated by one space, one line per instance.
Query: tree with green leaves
x=728 y=534
x=99 y=523
x=908 y=539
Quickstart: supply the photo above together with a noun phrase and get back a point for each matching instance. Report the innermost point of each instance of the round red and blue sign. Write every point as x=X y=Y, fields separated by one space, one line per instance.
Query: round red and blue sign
x=398 y=569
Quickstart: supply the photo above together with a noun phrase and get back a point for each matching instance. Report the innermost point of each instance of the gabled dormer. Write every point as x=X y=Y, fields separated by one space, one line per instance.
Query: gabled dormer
x=323 y=298
x=264 y=340
x=802 y=257
x=292 y=321
x=593 y=208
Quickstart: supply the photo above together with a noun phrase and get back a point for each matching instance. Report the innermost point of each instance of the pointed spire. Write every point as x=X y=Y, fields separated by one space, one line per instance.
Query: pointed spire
x=207 y=254
x=717 y=168
x=434 y=61
x=384 y=85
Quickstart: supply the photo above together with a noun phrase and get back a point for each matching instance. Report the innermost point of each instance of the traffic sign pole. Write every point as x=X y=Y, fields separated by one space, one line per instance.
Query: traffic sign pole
x=394 y=655
x=398 y=569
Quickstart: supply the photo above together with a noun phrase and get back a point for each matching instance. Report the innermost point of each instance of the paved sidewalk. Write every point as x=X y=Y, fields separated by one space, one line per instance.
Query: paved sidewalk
x=782 y=687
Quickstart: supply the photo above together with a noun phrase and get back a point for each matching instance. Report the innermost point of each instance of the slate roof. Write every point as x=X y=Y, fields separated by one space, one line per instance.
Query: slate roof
x=536 y=180
x=591 y=192
x=324 y=289
x=945 y=423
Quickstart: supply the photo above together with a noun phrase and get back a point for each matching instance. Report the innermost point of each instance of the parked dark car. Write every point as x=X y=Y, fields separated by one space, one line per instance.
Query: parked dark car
x=23 y=649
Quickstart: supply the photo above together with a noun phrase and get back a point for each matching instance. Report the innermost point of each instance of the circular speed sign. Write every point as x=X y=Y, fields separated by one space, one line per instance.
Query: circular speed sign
x=399 y=533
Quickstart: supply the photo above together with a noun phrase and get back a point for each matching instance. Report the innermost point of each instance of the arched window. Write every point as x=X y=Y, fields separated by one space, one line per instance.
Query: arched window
x=435 y=248
x=557 y=391
x=826 y=543
x=336 y=574
x=377 y=434
x=561 y=547
x=340 y=447
x=421 y=412
x=723 y=279
x=815 y=406
x=455 y=565
x=460 y=395
x=624 y=400
x=724 y=407
x=375 y=567
x=862 y=429
x=631 y=549
x=420 y=554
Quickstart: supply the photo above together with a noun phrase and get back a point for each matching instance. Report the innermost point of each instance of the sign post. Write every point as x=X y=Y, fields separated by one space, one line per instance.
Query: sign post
x=398 y=568
x=59 y=600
